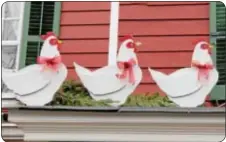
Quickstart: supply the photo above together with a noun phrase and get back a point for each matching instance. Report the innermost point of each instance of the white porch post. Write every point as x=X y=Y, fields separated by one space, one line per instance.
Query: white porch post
x=113 y=33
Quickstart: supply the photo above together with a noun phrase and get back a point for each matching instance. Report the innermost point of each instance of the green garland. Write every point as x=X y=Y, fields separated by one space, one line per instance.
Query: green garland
x=72 y=93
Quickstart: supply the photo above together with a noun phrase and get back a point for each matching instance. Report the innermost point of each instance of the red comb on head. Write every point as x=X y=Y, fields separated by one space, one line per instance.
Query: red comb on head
x=48 y=34
x=126 y=37
x=198 y=40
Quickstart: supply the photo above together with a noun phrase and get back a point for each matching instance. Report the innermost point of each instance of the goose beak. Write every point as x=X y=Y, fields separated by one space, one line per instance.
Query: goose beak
x=138 y=43
x=59 y=41
x=211 y=46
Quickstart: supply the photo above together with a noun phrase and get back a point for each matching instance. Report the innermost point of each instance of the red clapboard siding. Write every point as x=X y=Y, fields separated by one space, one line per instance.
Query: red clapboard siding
x=100 y=18
x=148 y=59
x=155 y=44
x=162 y=12
x=84 y=29
x=84 y=32
x=168 y=31
x=148 y=88
x=194 y=27
x=155 y=3
x=85 y=46
x=169 y=43
x=85 y=6
x=188 y=27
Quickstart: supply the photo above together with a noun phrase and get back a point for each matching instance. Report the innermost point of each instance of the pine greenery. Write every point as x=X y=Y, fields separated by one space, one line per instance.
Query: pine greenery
x=72 y=93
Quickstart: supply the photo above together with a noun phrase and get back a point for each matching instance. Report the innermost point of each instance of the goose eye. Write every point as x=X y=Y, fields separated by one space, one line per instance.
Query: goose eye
x=130 y=45
x=53 y=41
x=204 y=46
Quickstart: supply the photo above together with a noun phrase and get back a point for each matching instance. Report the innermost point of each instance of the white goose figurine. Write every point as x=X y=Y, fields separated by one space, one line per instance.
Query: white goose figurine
x=35 y=85
x=188 y=87
x=115 y=82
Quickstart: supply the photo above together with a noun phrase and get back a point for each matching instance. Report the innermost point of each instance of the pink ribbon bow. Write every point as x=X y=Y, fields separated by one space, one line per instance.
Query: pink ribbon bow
x=127 y=70
x=203 y=70
x=51 y=63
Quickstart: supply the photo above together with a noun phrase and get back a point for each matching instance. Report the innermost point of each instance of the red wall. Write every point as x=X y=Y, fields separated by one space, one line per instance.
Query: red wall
x=85 y=32
x=166 y=29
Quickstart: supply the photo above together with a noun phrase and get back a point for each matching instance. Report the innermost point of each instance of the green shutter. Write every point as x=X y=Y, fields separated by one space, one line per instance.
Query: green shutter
x=39 y=18
x=218 y=37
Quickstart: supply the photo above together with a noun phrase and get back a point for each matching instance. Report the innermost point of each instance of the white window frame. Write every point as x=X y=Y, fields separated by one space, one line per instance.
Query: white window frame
x=113 y=34
x=16 y=42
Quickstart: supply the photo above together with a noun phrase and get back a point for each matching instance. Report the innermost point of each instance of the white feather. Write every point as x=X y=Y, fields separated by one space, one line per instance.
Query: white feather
x=100 y=81
x=183 y=86
x=46 y=94
x=119 y=97
x=33 y=85
x=178 y=83
x=200 y=55
x=103 y=84
x=26 y=80
x=49 y=50
x=197 y=98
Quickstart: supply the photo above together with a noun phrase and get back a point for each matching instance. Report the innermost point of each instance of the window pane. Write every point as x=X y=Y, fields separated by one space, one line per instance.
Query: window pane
x=12 y=9
x=10 y=30
x=8 y=61
x=9 y=56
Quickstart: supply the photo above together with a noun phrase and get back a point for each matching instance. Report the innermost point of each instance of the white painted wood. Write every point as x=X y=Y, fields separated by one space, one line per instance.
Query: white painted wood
x=202 y=55
x=188 y=87
x=39 y=125
x=20 y=32
x=10 y=43
x=3 y=15
x=10 y=102
x=11 y=18
x=121 y=137
x=37 y=85
x=18 y=29
x=32 y=77
x=103 y=83
x=178 y=83
x=113 y=33
x=6 y=100
x=10 y=131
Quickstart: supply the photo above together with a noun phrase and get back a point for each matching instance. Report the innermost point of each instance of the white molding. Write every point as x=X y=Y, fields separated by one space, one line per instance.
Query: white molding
x=55 y=125
x=10 y=43
x=9 y=100
x=113 y=33
x=11 y=18
x=3 y=15
x=20 y=31
x=10 y=131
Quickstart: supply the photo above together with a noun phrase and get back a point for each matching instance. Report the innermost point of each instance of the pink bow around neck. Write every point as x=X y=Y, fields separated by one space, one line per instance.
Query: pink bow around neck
x=203 y=70
x=51 y=63
x=127 y=70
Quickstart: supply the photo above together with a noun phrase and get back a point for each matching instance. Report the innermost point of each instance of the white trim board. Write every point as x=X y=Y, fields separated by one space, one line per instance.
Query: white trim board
x=10 y=131
x=113 y=33
x=49 y=125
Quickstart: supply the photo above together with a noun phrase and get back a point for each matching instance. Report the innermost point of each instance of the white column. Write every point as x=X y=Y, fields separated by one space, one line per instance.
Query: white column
x=113 y=34
x=19 y=34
